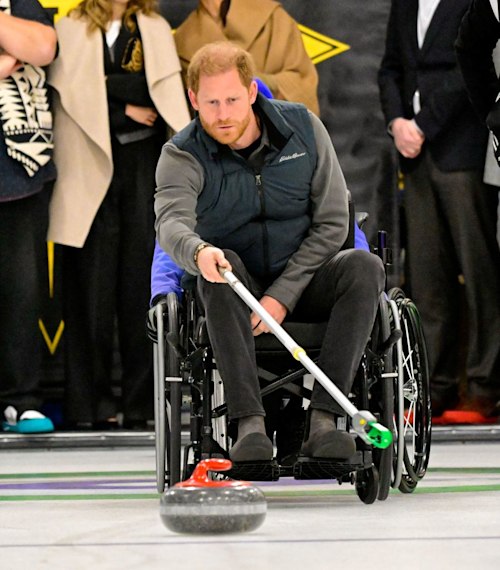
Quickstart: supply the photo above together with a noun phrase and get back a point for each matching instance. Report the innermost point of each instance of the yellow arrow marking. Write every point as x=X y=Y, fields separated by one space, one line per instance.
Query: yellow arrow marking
x=62 y=6
x=51 y=344
x=320 y=47
x=50 y=262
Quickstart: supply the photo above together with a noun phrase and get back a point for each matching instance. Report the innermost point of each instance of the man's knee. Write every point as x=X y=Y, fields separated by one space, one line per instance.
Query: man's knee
x=365 y=269
x=371 y=263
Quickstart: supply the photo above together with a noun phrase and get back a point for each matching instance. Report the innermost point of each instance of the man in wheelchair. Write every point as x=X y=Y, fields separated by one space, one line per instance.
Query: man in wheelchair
x=254 y=185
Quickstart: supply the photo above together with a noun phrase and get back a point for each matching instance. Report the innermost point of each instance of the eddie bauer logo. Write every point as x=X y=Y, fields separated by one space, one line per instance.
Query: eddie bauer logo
x=292 y=156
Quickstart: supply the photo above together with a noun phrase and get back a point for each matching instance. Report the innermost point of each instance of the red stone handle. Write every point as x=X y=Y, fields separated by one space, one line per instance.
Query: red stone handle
x=199 y=478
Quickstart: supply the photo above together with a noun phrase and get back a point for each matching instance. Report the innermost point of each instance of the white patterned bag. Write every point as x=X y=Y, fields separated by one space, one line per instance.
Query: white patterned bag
x=25 y=116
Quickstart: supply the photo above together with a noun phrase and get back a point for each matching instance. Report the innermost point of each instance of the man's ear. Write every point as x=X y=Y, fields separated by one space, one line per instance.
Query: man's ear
x=252 y=91
x=193 y=99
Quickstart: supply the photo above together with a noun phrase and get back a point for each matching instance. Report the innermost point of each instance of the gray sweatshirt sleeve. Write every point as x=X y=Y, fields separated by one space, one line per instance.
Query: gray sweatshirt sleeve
x=179 y=181
x=329 y=227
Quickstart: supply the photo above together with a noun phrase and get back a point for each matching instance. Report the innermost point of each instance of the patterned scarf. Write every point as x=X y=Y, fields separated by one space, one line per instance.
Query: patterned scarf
x=25 y=115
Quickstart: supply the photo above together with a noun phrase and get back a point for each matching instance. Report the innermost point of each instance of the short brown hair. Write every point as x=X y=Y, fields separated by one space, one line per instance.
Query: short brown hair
x=219 y=57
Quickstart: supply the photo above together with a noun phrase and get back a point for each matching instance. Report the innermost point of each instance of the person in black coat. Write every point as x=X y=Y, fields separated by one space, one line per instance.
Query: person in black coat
x=477 y=37
x=478 y=54
x=450 y=212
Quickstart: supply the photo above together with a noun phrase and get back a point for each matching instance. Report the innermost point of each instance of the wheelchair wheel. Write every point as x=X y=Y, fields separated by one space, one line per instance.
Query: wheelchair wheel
x=374 y=391
x=414 y=377
x=382 y=395
x=398 y=425
x=167 y=400
x=367 y=485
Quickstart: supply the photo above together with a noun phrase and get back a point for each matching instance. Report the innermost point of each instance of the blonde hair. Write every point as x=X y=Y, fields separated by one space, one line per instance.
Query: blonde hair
x=219 y=57
x=98 y=12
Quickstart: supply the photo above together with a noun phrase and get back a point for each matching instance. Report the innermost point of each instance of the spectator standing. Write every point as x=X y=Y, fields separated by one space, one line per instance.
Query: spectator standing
x=118 y=89
x=478 y=52
x=450 y=212
x=267 y=32
x=27 y=44
x=477 y=38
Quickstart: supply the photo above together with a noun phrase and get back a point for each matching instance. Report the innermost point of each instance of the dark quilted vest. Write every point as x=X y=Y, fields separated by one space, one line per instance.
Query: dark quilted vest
x=262 y=213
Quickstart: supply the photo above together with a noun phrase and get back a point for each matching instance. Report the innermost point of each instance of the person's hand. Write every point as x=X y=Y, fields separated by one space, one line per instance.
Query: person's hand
x=209 y=260
x=407 y=138
x=8 y=65
x=276 y=309
x=144 y=115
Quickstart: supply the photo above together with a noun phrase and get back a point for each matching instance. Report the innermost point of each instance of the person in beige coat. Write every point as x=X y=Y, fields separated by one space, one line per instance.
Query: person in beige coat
x=267 y=32
x=117 y=95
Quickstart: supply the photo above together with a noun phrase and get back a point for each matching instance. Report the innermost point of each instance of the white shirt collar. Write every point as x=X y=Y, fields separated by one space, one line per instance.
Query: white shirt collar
x=426 y=9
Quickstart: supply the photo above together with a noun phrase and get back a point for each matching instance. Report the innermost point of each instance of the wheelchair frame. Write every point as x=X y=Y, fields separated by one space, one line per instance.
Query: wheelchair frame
x=392 y=382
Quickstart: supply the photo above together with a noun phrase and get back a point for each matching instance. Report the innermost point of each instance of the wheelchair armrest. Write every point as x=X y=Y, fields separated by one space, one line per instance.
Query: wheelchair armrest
x=151 y=321
x=151 y=317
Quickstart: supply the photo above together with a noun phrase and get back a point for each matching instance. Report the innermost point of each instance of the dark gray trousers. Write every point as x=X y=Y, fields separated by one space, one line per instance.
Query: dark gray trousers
x=108 y=281
x=23 y=278
x=451 y=219
x=344 y=291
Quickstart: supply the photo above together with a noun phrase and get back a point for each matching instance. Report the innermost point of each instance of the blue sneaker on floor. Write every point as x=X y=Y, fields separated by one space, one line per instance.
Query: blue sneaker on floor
x=29 y=421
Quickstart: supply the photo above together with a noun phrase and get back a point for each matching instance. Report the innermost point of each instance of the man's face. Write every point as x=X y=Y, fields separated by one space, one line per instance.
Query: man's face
x=224 y=106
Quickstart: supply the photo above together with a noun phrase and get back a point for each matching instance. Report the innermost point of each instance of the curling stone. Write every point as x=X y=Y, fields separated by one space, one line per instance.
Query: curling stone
x=200 y=505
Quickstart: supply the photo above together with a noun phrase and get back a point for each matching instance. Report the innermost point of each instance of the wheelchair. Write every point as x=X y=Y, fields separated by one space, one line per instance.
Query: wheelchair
x=392 y=383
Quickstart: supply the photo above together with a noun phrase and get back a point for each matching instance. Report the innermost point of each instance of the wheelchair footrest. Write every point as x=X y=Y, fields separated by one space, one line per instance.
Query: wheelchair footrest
x=311 y=468
x=255 y=471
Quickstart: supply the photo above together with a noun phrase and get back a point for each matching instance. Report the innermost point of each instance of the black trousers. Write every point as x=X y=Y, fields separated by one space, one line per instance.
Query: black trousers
x=107 y=283
x=344 y=291
x=23 y=275
x=451 y=219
